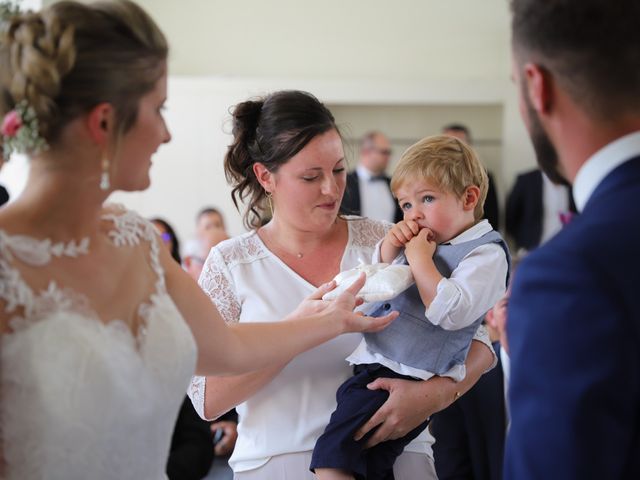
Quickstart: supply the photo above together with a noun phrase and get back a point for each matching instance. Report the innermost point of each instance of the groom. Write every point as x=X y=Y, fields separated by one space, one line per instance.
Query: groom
x=574 y=317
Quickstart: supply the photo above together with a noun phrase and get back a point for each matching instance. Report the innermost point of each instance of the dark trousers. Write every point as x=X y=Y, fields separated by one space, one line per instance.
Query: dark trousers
x=336 y=447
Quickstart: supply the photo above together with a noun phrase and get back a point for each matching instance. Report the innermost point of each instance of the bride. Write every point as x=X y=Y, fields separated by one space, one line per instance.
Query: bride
x=100 y=330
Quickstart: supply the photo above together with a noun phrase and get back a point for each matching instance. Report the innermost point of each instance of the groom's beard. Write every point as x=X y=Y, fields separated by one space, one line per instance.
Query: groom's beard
x=546 y=153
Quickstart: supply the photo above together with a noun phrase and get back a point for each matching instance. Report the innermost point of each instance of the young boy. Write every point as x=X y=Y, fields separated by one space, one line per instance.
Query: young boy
x=460 y=266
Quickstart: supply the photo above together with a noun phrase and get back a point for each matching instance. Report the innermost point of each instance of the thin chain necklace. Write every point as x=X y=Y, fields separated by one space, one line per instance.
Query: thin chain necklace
x=282 y=249
x=278 y=245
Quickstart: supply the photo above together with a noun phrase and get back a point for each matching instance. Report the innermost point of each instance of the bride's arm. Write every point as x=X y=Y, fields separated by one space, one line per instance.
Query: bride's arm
x=221 y=394
x=246 y=347
x=213 y=396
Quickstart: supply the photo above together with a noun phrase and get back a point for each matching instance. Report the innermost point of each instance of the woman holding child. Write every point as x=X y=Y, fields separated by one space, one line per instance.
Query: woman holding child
x=287 y=157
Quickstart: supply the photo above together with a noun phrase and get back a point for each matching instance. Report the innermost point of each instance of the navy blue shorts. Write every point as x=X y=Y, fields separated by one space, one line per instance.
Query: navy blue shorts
x=336 y=447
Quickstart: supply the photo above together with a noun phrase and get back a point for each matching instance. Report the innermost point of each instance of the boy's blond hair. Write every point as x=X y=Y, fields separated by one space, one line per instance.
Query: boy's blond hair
x=447 y=162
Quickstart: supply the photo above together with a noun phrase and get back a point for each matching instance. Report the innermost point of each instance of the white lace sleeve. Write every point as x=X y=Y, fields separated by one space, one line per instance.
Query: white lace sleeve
x=367 y=232
x=217 y=283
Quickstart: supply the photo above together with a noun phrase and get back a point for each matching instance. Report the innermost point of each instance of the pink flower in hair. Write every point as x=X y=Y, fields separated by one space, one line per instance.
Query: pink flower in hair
x=11 y=124
x=20 y=132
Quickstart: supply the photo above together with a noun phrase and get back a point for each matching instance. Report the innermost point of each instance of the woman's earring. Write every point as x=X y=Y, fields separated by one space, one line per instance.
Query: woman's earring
x=104 y=177
x=269 y=201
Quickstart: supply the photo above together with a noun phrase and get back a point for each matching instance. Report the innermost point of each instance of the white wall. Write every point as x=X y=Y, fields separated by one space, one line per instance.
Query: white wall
x=368 y=39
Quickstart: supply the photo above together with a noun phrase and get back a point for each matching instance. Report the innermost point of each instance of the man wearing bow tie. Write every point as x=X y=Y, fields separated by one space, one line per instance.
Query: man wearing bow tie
x=367 y=192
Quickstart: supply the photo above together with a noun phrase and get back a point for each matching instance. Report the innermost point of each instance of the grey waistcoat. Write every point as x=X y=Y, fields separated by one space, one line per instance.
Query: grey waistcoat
x=414 y=341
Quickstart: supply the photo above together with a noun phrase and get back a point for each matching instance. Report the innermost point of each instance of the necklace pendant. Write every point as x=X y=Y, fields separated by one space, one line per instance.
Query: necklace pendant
x=299 y=255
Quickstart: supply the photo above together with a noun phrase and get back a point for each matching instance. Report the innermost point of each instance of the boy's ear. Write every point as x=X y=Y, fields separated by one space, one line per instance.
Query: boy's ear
x=471 y=197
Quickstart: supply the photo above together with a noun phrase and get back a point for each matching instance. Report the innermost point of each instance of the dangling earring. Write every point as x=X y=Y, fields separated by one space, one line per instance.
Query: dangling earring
x=104 y=177
x=269 y=195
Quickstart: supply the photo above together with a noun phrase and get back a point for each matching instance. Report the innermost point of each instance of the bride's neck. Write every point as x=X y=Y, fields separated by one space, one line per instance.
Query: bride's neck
x=59 y=204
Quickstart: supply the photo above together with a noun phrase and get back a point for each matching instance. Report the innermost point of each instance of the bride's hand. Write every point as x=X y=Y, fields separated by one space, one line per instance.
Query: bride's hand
x=341 y=309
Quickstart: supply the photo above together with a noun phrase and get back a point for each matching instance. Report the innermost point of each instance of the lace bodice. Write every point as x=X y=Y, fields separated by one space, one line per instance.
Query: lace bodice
x=82 y=398
x=217 y=282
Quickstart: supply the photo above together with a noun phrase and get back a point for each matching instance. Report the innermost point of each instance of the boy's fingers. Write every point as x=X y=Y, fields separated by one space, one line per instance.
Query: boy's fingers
x=407 y=232
x=415 y=228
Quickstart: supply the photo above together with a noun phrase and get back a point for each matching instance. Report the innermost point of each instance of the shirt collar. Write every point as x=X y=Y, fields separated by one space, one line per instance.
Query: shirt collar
x=601 y=163
x=364 y=174
x=472 y=233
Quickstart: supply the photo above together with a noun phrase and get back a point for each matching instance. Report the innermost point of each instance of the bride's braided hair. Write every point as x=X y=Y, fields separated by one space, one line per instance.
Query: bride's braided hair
x=70 y=57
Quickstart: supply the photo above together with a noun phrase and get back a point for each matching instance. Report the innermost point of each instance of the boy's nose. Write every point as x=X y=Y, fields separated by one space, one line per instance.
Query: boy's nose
x=415 y=214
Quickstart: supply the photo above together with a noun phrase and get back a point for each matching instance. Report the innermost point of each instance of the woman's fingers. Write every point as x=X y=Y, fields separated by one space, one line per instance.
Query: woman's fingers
x=321 y=290
x=361 y=323
x=380 y=323
x=405 y=409
x=356 y=286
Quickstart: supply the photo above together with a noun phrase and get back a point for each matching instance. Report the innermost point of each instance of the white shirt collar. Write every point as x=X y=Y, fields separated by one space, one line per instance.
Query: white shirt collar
x=363 y=173
x=601 y=163
x=478 y=230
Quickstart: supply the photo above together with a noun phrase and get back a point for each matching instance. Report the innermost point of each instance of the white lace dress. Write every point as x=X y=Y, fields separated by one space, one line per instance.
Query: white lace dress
x=81 y=398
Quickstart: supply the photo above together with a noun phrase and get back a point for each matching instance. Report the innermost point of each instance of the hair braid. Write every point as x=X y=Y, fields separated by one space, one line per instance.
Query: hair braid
x=41 y=53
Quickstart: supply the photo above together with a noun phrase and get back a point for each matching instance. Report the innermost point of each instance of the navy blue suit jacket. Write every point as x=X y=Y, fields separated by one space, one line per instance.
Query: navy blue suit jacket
x=574 y=336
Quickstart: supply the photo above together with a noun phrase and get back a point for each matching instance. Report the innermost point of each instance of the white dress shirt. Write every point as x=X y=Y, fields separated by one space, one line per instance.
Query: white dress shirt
x=555 y=200
x=601 y=163
x=376 y=200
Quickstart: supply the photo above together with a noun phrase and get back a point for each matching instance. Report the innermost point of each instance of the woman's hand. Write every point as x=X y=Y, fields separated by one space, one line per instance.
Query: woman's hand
x=409 y=404
x=229 y=435
x=341 y=309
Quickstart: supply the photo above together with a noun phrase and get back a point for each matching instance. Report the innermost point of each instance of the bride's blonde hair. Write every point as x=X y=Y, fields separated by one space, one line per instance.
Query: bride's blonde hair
x=69 y=57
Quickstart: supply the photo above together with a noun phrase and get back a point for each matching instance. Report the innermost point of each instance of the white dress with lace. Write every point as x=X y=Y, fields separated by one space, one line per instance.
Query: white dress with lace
x=82 y=398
